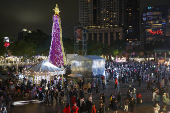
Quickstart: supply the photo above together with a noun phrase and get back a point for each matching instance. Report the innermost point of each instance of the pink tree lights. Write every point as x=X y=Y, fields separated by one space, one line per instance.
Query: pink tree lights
x=56 y=54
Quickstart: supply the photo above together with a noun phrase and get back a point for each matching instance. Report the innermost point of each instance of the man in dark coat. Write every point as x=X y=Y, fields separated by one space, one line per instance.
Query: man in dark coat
x=89 y=105
x=119 y=97
x=139 y=80
x=81 y=93
x=161 y=92
x=114 y=106
x=97 y=88
x=62 y=95
x=101 y=108
x=48 y=85
x=132 y=104
x=128 y=94
x=103 y=97
x=71 y=93
x=84 y=107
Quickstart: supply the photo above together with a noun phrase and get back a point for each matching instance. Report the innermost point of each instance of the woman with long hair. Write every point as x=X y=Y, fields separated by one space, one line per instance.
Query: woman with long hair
x=94 y=109
x=67 y=109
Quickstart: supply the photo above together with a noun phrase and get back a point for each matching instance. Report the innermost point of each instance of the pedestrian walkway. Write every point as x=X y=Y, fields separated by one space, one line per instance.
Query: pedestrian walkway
x=145 y=107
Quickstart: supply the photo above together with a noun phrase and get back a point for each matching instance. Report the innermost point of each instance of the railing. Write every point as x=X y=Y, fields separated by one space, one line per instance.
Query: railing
x=17 y=63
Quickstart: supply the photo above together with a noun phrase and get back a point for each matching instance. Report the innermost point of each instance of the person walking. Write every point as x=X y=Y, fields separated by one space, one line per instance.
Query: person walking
x=103 y=97
x=94 y=109
x=101 y=108
x=89 y=88
x=132 y=104
x=126 y=104
x=164 y=100
x=119 y=97
x=85 y=88
x=156 y=108
x=114 y=106
x=67 y=109
x=148 y=85
x=138 y=96
x=116 y=85
x=83 y=107
x=129 y=95
x=154 y=96
x=134 y=93
x=62 y=96
x=103 y=83
x=139 y=81
x=89 y=105
x=4 y=110
x=75 y=108
x=8 y=101
x=97 y=88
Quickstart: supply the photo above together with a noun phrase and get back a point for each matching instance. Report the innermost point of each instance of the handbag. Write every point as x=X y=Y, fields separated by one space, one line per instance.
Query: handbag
x=140 y=100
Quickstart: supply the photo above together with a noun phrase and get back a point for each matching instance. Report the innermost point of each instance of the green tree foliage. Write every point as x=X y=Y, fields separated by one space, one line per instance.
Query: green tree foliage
x=32 y=44
x=94 y=48
x=2 y=48
x=23 y=48
x=98 y=48
x=68 y=44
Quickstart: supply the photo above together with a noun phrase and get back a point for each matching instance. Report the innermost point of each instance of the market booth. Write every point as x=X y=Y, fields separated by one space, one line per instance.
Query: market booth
x=88 y=66
x=44 y=70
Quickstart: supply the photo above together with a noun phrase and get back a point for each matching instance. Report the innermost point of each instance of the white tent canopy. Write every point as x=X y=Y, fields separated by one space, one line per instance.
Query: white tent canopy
x=88 y=65
x=46 y=66
x=44 y=70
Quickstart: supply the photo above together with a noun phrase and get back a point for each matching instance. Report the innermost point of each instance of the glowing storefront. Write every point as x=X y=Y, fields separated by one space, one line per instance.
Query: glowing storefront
x=155 y=22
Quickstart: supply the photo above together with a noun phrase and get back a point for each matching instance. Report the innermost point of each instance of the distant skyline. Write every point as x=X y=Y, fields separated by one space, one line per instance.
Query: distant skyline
x=35 y=14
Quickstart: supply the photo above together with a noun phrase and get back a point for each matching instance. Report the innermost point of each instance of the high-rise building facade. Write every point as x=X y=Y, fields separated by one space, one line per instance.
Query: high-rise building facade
x=156 y=23
x=104 y=19
x=132 y=20
x=101 y=12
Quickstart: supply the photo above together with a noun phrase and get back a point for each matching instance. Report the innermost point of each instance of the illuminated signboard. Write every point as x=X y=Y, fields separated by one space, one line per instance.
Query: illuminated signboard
x=158 y=32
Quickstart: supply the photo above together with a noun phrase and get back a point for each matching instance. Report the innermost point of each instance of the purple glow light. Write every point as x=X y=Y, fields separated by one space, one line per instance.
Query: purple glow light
x=55 y=54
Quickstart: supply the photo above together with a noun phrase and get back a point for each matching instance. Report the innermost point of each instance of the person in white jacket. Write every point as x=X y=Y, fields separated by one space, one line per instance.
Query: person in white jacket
x=153 y=96
x=156 y=108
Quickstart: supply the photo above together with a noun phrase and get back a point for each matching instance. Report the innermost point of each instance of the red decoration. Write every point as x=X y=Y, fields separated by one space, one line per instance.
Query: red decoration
x=155 y=32
x=6 y=44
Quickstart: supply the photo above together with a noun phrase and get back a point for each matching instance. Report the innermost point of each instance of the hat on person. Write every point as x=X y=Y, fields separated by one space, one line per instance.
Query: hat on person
x=129 y=85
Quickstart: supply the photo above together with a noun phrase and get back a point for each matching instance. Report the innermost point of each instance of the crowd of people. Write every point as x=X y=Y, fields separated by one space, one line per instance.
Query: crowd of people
x=77 y=93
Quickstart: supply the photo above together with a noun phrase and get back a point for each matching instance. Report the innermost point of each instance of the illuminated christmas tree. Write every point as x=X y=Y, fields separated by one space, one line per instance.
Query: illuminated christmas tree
x=56 y=54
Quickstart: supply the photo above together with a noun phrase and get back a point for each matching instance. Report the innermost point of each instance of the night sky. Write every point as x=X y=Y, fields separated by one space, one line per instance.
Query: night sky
x=37 y=14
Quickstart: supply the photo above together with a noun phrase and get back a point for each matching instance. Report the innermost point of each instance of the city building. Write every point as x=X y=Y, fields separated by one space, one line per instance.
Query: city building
x=132 y=20
x=23 y=33
x=104 y=19
x=106 y=35
x=101 y=13
x=156 y=23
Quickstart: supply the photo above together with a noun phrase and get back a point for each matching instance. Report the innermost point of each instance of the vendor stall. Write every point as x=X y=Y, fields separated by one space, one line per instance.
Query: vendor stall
x=44 y=70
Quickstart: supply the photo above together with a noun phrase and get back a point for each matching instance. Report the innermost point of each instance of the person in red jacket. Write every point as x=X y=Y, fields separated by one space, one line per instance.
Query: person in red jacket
x=138 y=95
x=67 y=109
x=73 y=99
x=94 y=109
x=75 y=108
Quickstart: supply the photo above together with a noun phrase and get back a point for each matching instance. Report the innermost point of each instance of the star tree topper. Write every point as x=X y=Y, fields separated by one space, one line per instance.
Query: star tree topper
x=57 y=11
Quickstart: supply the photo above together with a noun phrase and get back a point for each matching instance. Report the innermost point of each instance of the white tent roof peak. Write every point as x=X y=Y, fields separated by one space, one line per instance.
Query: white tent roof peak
x=45 y=66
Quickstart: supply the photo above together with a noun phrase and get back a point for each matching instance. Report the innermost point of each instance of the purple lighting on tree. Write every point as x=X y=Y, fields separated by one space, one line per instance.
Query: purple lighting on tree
x=56 y=56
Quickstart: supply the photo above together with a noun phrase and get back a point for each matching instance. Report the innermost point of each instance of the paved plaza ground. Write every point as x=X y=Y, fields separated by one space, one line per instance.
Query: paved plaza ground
x=28 y=106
